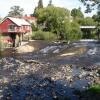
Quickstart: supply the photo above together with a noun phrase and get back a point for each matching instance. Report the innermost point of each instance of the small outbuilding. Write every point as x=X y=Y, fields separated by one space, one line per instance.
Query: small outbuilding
x=87 y=31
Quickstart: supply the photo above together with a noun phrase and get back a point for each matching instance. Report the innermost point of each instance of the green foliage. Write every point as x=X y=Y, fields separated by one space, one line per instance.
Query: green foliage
x=93 y=93
x=76 y=13
x=88 y=21
x=74 y=32
x=41 y=15
x=90 y=5
x=40 y=35
x=16 y=11
x=53 y=18
x=2 y=44
x=40 y=4
x=57 y=20
x=34 y=28
x=94 y=17
x=95 y=88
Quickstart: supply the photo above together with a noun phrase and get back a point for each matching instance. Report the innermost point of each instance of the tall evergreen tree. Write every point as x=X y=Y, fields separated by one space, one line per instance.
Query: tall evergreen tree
x=40 y=4
x=34 y=14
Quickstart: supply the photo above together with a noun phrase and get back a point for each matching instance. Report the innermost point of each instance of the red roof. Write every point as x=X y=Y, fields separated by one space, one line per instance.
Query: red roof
x=29 y=18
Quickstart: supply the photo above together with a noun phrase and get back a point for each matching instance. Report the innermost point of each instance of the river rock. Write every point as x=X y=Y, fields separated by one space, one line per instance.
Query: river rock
x=32 y=61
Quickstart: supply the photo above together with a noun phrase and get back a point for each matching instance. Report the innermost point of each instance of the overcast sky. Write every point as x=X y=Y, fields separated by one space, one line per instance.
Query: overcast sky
x=29 y=5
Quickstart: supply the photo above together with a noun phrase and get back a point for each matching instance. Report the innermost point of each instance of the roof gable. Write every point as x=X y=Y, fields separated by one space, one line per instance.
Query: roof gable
x=18 y=21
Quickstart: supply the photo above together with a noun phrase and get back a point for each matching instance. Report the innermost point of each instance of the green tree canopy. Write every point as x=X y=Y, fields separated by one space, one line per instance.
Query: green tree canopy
x=40 y=4
x=94 y=17
x=76 y=13
x=91 y=5
x=16 y=11
x=88 y=21
x=55 y=19
x=74 y=32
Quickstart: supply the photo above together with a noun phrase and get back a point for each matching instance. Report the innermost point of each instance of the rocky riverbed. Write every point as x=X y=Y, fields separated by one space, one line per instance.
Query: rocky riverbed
x=55 y=72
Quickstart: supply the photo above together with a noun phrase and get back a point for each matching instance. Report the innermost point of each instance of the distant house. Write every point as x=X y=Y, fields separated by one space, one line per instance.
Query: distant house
x=87 y=31
x=14 y=27
x=30 y=19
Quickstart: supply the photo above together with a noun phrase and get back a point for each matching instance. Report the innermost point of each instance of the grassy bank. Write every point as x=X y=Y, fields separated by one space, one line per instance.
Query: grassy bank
x=41 y=35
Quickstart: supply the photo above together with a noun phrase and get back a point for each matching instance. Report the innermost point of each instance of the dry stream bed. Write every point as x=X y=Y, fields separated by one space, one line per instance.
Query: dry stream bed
x=55 y=71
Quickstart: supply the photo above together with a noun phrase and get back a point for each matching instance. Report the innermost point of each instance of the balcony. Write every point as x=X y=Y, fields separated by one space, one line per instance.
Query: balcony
x=12 y=30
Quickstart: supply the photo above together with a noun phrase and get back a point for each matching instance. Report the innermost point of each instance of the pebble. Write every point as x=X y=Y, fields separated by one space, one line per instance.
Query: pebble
x=18 y=72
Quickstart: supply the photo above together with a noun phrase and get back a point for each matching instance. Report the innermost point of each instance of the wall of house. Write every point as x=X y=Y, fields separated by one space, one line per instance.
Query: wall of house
x=26 y=28
x=4 y=25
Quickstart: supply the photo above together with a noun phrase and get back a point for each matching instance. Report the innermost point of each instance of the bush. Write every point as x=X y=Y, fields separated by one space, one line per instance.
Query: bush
x=93 y=93
x=1 y=45
x=40 y=35
x=34 y=27
x=74 y=32
x=1 y=42
x=72 y=36
x=95 y=88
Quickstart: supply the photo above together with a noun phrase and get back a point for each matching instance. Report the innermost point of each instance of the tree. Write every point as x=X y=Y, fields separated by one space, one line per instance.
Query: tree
x=94 y=17
x=16 y=11
x=54 y=19
x=88 y=33
x=75 y=32
x=90 y=4
x=50 y=3
x=76 y=13
x=40 y=4
x=88 y=21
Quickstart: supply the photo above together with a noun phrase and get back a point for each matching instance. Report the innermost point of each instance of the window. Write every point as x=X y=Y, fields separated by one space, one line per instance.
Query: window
x=11 y=28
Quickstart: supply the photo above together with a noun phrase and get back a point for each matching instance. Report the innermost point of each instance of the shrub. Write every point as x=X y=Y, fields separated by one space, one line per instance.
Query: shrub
x=93 y=93
x=34 y=27
x=41 y=35
x=1 y=45
x=95 y=88
x=1 y=42
x=74 y=32
x=72 y=36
